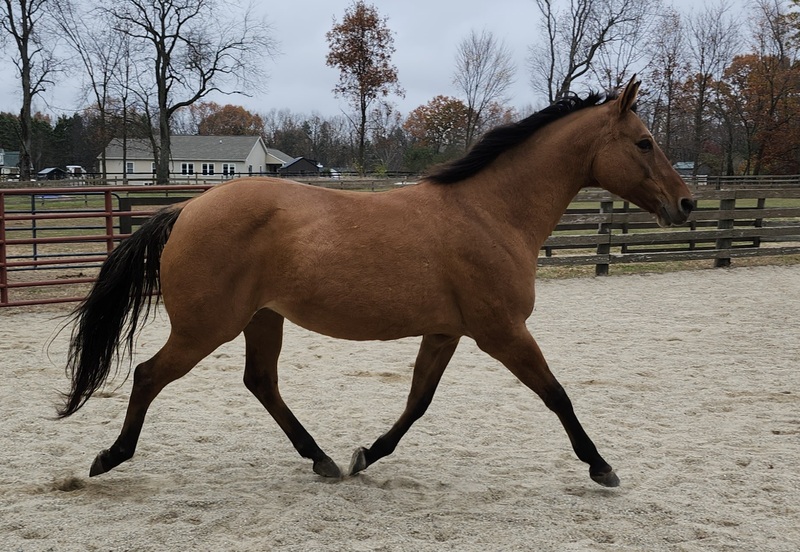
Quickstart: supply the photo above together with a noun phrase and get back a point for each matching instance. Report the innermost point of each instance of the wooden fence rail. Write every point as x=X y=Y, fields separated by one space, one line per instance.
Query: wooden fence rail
x=727 y=224
x=53 y=240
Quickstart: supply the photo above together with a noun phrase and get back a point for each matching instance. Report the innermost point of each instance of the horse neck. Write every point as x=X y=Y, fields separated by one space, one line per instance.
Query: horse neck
x=532 y=185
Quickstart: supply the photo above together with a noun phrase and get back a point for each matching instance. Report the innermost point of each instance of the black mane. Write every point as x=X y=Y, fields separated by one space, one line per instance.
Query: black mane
x=505 y=137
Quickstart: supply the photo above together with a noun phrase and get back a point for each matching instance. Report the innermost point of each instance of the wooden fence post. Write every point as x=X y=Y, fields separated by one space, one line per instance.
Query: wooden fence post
x=759 y=222
x=3 y=255
x=725 y=224
x=626 y=208
x=604 y=248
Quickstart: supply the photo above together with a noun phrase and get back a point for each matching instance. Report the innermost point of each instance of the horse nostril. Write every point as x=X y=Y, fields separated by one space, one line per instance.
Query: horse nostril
x=687 y=206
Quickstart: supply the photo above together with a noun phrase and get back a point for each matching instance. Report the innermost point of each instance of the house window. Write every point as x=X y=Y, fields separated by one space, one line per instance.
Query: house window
x=187 y=168
x=250 y=170
x=228 y=169
x=154 y=168
x=129 y=167
x=208 y=168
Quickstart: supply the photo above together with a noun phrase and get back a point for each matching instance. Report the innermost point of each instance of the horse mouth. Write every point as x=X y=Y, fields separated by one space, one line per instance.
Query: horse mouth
x=667 y=217
x=663 y=219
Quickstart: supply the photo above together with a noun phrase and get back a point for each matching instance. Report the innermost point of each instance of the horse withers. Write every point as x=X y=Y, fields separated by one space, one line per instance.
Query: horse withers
x=456 y=257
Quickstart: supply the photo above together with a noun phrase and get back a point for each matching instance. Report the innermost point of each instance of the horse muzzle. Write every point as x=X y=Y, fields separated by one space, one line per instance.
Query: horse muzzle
x=669 y=215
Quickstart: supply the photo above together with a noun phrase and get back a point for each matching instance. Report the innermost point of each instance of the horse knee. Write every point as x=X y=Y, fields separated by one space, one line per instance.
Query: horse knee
x=170 y=363
x=260 y=385
x=144 y=380
x=556 y=399
x=251 y=382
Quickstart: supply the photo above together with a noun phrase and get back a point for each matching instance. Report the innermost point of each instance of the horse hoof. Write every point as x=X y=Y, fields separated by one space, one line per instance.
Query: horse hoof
x=327 y=468
x=97 y=466
x=359 y=461
x=606 y=479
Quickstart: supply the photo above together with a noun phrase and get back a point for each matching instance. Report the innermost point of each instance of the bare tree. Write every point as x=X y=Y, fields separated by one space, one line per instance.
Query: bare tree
x=103 y=55
x=24 y=23
x=713 y=35
x=121 y=85
x=667 y=70
x=483 y=73
x=193 y=49
x=576 y=35
x=615 y=63
x=388 y=138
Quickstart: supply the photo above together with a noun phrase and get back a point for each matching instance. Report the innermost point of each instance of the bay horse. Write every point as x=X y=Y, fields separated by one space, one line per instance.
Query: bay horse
x=451 y=256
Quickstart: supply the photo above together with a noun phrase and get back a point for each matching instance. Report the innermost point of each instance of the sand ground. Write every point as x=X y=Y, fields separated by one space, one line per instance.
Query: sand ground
x=687 y=382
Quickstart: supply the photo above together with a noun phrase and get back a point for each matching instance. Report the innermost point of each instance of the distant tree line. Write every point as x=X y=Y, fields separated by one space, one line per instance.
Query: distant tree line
x=721 y=88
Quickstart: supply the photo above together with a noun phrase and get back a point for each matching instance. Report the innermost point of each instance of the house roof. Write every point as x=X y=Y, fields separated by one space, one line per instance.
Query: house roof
x=298 y=160
x=222 y=148
x=282 y=157
x=54 y=170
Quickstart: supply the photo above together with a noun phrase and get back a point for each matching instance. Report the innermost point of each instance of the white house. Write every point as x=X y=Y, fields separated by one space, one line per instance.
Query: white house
x=203 y=157
x=9 y=164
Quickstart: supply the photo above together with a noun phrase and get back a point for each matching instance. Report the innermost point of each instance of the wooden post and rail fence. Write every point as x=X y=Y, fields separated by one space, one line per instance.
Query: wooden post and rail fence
x=53 y=240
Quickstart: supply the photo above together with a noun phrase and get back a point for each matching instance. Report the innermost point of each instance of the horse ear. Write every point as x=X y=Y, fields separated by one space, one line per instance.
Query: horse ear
x=628 y=97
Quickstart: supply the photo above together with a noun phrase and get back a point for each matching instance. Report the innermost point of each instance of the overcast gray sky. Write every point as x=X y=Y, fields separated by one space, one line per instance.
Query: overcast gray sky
x=427 y=34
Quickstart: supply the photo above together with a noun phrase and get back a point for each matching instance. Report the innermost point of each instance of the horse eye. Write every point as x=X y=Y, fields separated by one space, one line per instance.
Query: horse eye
x=644 y=145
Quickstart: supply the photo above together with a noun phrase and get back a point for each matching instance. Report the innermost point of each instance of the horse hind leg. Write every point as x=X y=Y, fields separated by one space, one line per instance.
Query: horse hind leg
x=263 y=340
x=175 y=359
x=434 y=354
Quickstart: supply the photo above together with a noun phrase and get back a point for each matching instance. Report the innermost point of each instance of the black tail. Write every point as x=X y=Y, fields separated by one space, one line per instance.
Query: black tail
x=127 y=282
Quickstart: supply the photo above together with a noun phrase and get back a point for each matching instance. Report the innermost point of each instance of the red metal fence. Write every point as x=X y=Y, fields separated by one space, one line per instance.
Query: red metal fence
x=58 y=237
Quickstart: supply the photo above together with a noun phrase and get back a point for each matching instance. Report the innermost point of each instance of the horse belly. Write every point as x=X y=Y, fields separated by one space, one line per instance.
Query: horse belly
x=369 y=313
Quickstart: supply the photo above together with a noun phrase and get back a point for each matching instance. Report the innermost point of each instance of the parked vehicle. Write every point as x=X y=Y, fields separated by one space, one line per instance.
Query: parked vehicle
x=75 y=170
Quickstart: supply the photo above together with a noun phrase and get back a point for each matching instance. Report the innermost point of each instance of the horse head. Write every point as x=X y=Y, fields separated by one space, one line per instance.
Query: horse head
x=629 y=163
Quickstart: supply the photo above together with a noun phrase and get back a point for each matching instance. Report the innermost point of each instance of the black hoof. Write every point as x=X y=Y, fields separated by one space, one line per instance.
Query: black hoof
x=606 y=477
x=359 y=461
x=327 y=468
x=97 y=466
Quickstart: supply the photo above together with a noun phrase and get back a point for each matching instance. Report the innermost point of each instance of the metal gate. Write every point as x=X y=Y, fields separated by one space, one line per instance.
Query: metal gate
x=53 y=240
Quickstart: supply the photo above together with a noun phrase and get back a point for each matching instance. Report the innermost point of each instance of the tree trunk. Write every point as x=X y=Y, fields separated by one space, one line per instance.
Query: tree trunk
x=25 y=140
x=699 y=126
x=124 y=142
x=362 y=133
x=25 y=161
x=163 y=154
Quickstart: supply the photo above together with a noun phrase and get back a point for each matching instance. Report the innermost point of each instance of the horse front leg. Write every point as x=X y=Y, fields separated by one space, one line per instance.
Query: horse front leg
x=434 y=354
x=263 y=340
x=522 y=356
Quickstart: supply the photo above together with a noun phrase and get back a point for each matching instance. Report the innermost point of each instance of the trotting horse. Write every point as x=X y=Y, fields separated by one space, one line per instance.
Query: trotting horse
x=451 y=256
